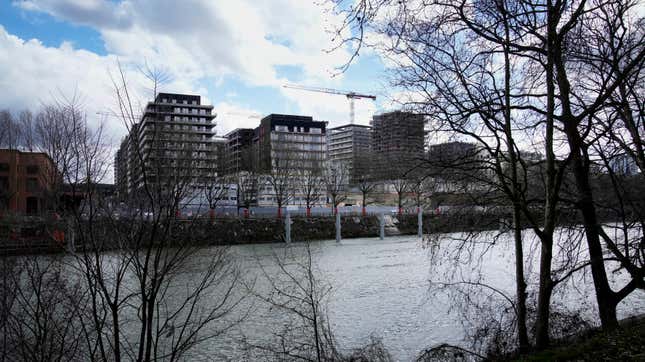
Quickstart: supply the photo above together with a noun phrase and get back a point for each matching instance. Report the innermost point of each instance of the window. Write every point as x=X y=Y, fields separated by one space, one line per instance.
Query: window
x=32 y=184
x=4 y=167
x=32 y=205
x=32 y=169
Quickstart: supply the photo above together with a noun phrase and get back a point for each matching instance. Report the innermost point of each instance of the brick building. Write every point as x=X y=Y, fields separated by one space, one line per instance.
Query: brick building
x=26 y=181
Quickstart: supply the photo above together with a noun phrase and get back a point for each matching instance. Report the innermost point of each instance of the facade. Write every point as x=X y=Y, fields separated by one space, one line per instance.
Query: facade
x=238 y=150
x=288 y=146
x=289 y=141
x=219 y=146
x=350 y=145
x=26 y=181
x=397 y=139
x=175 y=140
x=121 y=169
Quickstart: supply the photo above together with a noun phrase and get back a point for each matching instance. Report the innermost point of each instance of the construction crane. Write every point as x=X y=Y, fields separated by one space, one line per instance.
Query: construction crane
x=351 y=96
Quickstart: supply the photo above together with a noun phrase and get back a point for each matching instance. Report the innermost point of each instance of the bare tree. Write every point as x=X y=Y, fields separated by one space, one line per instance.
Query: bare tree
x=365 y=172
x=27 y=126
x=135 y=310
x=366 y=187
x=336 y=180
x=309 y=179
x=44 y=312
x=453 y=60
x=216 y=188
x=298 y=290
x=10 y=135
x=281 y=175
x=247 y=189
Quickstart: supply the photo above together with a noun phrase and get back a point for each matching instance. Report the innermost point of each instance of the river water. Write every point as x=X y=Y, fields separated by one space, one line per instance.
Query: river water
x=381 y=288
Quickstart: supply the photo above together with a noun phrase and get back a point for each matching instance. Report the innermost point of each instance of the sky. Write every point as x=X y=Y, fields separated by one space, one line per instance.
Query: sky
x=236 y=54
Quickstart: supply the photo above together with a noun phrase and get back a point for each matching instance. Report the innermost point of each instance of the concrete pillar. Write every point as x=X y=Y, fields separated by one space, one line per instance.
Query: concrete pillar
x=338 y=234
x=382 y=226
x=71 y=243
x=287 y=227
x=420 y=222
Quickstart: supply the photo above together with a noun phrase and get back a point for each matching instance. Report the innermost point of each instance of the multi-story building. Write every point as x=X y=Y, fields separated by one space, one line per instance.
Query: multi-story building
x=397 y=139
x=26 y=181
x=219 y=147
x=121 y=169
x=239 y=150
x=287 y=146
x=174 y=142
x=289 y=141
x=350 y=145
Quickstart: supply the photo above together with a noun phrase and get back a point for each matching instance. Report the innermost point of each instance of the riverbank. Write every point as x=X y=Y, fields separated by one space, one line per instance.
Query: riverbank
x=627 y=343
x=39 y=235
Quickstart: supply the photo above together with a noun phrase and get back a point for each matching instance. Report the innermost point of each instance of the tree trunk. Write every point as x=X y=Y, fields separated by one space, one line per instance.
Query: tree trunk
x=604 y=295
x=580 y=161
x=542 y=339
x=364 y=210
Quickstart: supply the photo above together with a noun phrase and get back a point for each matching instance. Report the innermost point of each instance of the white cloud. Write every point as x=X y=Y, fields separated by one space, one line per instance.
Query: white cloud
x=195 y=39
x=231 y=116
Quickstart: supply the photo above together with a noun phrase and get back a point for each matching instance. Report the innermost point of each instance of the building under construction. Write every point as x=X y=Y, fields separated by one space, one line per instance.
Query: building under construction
x=397 y=140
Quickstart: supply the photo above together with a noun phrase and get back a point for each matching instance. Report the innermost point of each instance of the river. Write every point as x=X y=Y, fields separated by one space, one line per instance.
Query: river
x=381 y=288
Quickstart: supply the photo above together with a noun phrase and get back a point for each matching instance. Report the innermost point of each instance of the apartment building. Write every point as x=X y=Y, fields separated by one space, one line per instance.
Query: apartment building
x=288 y=145
x=350 y=145
x=173 y=142
x=290 y=141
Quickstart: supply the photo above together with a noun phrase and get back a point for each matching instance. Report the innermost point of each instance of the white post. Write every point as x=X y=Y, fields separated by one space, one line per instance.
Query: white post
x=287 y=227
x=337 y=227
x=420 y=221
x=382 y=226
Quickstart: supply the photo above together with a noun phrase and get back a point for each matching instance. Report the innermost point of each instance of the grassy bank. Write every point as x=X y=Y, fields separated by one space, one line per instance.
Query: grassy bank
x=624 y=344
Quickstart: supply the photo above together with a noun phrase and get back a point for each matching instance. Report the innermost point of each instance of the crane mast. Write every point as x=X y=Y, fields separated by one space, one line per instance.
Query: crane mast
x=351 y=96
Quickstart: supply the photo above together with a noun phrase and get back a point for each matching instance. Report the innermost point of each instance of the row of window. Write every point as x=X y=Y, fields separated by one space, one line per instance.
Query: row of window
x=174 y=101
x=169 y=118
x=298 y=129
x=282 y=137
x=32 y=184
x=190 y=110
x=31 y=169
x=185 y=127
